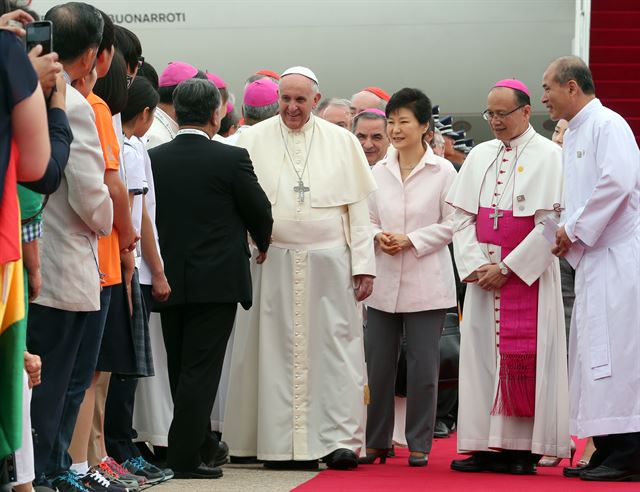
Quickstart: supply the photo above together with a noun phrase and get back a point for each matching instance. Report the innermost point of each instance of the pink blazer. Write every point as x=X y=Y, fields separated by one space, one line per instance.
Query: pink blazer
x=420 y=278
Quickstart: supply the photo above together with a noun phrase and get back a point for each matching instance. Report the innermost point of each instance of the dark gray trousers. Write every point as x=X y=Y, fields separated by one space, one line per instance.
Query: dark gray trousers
x=567 y=281
x=382 y=342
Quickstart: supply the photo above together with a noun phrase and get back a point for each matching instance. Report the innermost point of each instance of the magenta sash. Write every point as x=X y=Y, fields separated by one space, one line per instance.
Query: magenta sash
x=518 y=319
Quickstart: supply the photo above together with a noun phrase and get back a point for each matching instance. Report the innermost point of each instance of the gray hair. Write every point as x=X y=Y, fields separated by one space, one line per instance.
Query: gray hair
x=574 y=68
x=194 y=101
x=339 y=102
x=365 y=115
x=260 y=113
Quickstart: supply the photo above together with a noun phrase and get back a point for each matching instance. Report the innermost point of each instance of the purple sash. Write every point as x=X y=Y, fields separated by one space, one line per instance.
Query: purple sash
x=518 y=319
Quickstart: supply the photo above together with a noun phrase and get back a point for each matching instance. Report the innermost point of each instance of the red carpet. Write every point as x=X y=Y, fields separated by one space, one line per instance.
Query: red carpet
x=397 y=476
x=614 y=56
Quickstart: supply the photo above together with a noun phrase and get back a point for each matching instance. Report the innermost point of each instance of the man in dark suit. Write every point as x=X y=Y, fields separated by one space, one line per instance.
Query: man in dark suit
x=208 y=198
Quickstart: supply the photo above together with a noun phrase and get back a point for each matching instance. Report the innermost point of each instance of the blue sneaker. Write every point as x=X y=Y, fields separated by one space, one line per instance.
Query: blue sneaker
x=70 y=482
x=139 y=466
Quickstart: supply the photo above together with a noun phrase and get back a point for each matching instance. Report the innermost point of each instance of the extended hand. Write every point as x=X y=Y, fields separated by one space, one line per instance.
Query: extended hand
x=563 y=243
x=490 y=278
x=363 y=285
x=387 y=244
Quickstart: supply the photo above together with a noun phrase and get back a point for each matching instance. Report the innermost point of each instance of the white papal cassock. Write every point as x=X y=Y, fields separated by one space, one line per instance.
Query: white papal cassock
x=530 y=184
x=602 y=189
x=297 y=382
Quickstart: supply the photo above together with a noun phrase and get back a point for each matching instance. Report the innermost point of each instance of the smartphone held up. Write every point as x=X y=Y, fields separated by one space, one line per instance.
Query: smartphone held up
x=40 y=33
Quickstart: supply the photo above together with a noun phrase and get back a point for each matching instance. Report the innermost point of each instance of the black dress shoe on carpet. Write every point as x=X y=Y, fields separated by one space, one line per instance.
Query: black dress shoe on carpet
x=418 y=460
x=201 y=472
x=342 y=459
x=244 y=460
x=481 y=462
x=440 y=430
x=292 y=465
x=575 y=471
x=604 y=473
x=522 y=468
x=221 y=456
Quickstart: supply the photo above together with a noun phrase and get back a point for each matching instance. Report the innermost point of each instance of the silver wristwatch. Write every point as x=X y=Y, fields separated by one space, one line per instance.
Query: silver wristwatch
x=504 y=269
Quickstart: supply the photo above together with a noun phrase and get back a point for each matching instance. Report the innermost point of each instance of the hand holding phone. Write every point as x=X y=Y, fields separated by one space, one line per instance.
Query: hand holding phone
x=13 y=21
x=40 y=33
x=47 y=68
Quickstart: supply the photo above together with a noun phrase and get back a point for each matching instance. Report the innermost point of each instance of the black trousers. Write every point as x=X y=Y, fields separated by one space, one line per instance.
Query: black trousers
x=195 y=337
x=118 y=417
x=618 y=451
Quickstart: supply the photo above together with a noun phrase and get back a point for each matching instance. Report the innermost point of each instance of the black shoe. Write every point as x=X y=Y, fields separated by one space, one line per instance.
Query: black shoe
x=142 y=468
x=221 y=456
x=342 y=459
x=604 y=473
x=415 y=460
x=69 y=482
x=440 y=430
x=575 y=471
x=292 y=465
x=371 y=458
x=520 y=467
x=203 y=471
x=244 y=460
x=96 y=482
x=481 y=462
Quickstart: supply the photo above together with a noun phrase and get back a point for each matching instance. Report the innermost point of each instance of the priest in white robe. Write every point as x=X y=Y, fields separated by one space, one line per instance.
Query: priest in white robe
x=298 y=379
x=513 y=369
x=600 y=236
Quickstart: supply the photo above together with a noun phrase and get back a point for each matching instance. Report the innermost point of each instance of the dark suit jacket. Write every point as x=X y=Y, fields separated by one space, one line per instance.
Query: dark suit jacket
x=207 y=198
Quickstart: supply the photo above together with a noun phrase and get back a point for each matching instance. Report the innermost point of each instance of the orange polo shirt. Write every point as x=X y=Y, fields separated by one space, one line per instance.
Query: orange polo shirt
x=108 y=246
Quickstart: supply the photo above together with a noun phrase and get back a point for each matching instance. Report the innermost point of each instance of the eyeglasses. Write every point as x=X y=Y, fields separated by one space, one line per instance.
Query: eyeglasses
x=140 y=62
x=489 y=115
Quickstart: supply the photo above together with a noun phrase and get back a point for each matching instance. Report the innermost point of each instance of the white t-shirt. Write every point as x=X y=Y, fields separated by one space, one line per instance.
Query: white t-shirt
x=150 y=203
x=136 y=184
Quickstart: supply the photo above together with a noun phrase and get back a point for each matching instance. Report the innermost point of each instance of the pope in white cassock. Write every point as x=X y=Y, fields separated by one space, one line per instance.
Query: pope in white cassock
x=297 y=383
x=513 y=367
x=600 y=237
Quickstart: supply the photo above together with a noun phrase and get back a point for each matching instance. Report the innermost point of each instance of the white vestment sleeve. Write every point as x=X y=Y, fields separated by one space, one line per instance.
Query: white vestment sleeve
x=466 y=248
x=433 y=237
x=362 y=254
x=618 y=177
x=533 y=255
x=374 y=217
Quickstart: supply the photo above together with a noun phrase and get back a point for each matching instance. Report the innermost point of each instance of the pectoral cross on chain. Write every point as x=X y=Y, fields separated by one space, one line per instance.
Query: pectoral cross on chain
x=301 y=189
x=496 y=215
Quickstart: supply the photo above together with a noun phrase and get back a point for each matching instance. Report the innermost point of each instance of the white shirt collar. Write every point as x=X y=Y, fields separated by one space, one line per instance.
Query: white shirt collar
x=584 y=113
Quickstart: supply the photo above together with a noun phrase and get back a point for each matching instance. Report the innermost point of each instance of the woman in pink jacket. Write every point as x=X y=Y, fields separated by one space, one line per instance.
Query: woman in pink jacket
x=415 y=283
